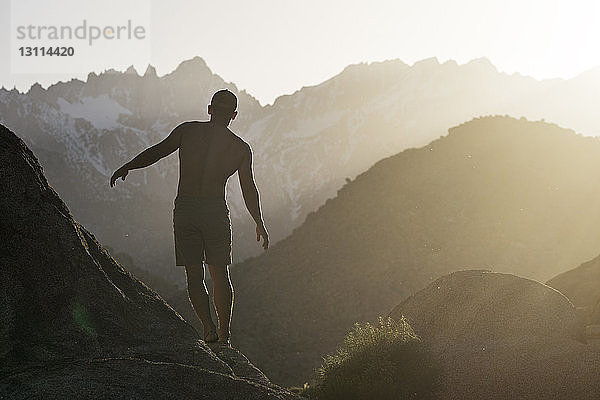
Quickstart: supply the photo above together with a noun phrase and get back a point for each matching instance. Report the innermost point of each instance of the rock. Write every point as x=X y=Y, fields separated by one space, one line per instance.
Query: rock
x=75 y=324
x=499 y=336
x=483 y=306
x=238 y=363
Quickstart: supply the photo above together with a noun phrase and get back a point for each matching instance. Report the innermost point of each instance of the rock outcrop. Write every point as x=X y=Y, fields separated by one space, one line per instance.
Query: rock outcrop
x=499 y=336
x=75 y=324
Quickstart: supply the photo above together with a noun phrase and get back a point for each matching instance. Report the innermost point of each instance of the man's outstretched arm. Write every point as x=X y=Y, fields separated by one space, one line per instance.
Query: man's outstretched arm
x=251 y=197
x=151 y=155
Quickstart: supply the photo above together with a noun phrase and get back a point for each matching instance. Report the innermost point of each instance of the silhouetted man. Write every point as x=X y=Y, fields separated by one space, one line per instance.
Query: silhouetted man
x=209 y=153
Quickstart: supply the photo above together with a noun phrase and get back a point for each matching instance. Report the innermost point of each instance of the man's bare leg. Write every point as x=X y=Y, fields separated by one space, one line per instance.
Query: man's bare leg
x=200 y=302
x=223 y=296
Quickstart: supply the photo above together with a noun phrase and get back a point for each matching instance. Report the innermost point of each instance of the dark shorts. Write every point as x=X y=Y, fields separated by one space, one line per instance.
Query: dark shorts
x=202 y=230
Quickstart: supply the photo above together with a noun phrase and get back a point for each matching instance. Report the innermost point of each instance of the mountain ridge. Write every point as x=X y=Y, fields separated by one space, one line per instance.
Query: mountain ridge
x=496 y=192
x=306 y=144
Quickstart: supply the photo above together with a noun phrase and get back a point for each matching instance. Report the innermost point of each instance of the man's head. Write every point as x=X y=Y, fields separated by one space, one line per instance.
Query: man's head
x=223 y=106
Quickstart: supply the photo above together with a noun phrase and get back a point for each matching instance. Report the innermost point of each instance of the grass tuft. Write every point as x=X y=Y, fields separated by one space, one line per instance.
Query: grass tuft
x=383 y=361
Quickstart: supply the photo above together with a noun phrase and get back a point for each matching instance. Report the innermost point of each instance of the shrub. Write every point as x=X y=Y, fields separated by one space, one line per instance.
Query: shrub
x=383 y=361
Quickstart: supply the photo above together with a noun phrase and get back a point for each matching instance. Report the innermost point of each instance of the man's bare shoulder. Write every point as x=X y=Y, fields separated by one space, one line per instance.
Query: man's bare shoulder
x=192 y=123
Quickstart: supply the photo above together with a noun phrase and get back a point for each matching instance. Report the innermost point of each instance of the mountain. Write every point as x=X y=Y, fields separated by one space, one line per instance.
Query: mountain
x=510 y=195
x=500 y=336
x=582 y=286
x=306 y=144
x=75 y=324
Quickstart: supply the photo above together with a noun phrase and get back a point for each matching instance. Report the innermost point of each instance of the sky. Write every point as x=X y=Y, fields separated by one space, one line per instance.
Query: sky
x=275 y=47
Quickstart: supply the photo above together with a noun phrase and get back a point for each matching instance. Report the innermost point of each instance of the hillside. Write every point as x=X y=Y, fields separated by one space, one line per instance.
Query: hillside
x=500 y=336
x=496 y=192
x=75 y=324
x=582 y=286
x=83 y=130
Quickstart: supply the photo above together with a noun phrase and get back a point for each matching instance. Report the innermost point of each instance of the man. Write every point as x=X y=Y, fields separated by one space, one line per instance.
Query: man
x=209 y=153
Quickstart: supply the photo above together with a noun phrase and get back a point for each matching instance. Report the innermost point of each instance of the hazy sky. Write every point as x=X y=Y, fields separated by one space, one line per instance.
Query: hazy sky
x=274 y=47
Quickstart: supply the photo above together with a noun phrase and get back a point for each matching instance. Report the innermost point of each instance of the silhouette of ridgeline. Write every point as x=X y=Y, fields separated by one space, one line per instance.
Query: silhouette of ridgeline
x=305 y=144
x=499 y=193
x=582 y=286
x=74 y=324
x=499 y=336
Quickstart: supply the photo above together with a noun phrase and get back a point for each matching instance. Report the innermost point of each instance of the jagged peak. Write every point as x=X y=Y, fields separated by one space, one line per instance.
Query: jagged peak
x=395 y=62
x=36 y=88
x=450 y=63
x=150 y=71
x=482 y=62
x=111 y=71
x=430 y=61
x=193 y=65
x=131 y=71
x=91 y=75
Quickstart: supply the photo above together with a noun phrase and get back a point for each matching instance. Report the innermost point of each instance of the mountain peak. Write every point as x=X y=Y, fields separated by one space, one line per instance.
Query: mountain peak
x=195 y=65
x=482 y=62
x=427 y=62
x=131 y=71
x=91 y=76
x=150 y=71
x=35 y=89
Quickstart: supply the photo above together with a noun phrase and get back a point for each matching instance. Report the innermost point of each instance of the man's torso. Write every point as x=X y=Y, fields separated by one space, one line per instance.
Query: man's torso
x=208 y=155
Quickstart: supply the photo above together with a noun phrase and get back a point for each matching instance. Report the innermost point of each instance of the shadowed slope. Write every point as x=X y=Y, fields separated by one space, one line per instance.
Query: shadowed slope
x=582 y=286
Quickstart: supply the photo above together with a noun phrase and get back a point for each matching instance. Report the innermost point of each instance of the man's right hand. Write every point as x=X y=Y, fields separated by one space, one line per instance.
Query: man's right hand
x=120 y=173
x=261 y=231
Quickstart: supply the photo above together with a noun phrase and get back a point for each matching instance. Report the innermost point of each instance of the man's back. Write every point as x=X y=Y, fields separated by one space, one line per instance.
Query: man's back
x=209 y=154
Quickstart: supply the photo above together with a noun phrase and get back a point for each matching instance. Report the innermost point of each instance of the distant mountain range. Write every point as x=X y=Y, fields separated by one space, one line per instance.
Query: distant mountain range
x=307 y=144
x=498 y=193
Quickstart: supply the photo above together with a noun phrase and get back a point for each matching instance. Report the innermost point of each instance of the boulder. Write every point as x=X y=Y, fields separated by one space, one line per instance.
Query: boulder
x=499 y=336
x=482 y=306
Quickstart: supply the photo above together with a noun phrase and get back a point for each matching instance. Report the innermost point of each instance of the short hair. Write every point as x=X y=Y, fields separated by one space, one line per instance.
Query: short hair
x=223 y=102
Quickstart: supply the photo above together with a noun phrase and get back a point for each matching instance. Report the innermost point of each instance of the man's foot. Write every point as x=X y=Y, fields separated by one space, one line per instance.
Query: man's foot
x=211 y=337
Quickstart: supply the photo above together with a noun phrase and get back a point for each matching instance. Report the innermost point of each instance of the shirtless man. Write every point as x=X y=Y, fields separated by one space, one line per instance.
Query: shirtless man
x=209 y=153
